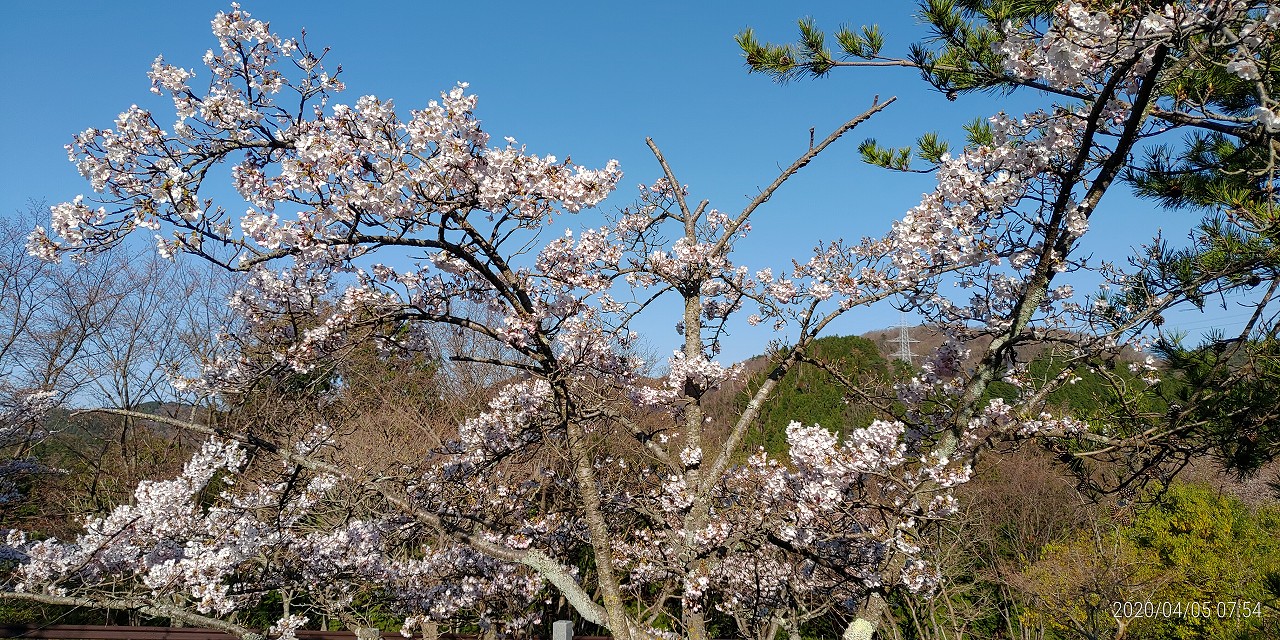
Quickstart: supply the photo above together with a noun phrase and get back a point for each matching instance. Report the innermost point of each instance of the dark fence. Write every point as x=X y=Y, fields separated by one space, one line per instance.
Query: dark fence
x=94 y=632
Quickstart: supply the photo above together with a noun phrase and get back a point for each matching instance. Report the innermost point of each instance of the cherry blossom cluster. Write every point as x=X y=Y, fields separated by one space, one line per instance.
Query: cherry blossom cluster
x=817 y=528
x=348 y=172
x=1003 y=211
x=152 y=536
x=700 y=372
x=224 y=557
x=510 y=422
x=1083 y=41
x=22 y=413
x=22 y=423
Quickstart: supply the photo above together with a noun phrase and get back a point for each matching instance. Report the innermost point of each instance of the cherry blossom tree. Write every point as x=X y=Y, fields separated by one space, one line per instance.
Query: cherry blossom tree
x=1125 y=78
x=583 y=477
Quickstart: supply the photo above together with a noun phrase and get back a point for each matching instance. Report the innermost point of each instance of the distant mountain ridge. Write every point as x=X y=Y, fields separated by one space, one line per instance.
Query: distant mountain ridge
x=930 y=338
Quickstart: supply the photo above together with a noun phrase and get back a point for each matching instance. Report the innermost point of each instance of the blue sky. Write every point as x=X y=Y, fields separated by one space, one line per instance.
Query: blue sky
x=586 y=79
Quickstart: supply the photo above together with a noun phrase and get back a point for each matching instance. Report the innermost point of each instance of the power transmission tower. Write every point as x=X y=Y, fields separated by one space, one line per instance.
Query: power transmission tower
x=904 y=341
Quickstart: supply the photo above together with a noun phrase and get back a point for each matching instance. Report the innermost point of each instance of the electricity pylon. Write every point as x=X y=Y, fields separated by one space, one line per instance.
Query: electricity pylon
x=904 y=341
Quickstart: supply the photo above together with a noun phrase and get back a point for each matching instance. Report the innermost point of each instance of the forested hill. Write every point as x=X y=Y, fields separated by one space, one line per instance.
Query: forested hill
x=811 y=395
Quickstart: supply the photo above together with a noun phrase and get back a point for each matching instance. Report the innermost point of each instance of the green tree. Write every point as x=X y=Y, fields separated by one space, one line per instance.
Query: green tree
x=1204 y=560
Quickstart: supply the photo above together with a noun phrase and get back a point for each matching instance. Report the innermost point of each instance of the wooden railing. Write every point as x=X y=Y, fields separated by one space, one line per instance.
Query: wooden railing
x=94 y=632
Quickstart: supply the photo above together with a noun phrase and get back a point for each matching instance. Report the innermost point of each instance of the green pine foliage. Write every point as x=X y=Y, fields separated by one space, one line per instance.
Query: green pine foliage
x=1230 y=395
x=957 y=58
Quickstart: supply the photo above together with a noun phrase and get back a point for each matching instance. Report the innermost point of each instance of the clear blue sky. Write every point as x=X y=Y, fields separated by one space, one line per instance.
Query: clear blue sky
x=587 y=79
